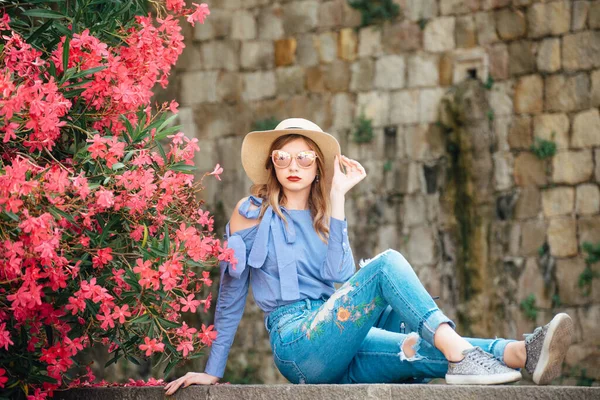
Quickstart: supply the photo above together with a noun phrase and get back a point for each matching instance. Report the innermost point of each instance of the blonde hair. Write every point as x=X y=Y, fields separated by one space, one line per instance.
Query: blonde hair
x=273 y=195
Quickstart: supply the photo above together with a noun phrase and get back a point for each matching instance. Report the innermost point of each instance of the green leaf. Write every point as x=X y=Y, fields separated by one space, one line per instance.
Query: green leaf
x=170 y=366
x=59 y=213
x=141 y=319
x=65 y=55
x=182 y=167
x=161 y=151
x=168 y=324
x=39 y=31
x=166 y=243
x=166 y=132
x=133 y=359
x=117 y=166
x=41 y=13
x=90 y=71
x=12 y=216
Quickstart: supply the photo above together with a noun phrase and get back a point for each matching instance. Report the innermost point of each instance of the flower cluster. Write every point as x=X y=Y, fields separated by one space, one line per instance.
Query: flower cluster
x=103 y=237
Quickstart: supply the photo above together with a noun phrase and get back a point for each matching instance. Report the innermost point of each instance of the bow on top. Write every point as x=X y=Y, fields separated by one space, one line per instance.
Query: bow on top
x=283 y=239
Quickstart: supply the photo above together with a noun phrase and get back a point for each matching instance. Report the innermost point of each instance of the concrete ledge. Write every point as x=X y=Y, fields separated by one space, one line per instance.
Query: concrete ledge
x=338 y=392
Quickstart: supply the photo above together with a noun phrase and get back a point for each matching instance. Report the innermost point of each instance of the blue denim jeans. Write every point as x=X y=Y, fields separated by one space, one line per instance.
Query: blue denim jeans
x=357 y=334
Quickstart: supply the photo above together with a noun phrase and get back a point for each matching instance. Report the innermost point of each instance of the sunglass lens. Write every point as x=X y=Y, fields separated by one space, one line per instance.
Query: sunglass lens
x=306 y=159
x=281 y=159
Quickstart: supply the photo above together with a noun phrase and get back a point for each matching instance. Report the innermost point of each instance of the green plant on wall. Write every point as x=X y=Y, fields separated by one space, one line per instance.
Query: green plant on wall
x=529 y=308
x=543 y=148
x=375 y=11
x=588 y=275
x=266 y=124
x=363 y=129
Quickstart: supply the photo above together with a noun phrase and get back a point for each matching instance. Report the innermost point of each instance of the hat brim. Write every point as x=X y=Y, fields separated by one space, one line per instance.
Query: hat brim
x=256 y=145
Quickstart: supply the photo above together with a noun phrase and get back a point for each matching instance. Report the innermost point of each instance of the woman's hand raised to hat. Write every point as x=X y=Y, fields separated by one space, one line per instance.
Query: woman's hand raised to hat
x=341 y=182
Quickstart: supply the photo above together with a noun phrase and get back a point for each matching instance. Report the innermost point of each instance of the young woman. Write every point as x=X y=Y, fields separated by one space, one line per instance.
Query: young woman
x=290 y=239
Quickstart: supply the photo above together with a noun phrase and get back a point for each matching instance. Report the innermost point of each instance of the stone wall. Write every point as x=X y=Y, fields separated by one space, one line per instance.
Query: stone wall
x=485 y=222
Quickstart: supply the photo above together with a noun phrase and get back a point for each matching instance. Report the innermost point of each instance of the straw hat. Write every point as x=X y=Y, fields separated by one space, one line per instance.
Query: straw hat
x=256 y=145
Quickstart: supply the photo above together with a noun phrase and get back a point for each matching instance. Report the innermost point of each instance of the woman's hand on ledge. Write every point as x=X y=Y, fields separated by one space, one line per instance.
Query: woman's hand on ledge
x=191 y=378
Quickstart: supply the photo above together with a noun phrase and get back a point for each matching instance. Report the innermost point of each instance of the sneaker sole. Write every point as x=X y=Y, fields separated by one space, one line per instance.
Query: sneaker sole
x=554 y=349
x=494 y=379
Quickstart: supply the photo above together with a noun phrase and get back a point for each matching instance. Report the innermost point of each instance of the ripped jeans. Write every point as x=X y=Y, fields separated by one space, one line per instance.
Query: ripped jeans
x=357 y=334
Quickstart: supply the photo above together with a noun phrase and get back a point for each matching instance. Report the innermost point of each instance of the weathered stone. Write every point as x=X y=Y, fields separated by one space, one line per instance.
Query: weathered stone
x=327 y=46
x=586 y=129
x=285 y=52
x=529 y=94
x=502 y=126
x=562 y=237
x=343 y=111
x=398 y=38
x=567 y=93
x=553 y=127
x=522 y=57
x=221 y=54
x=243 y=26
x=270 y=23
x=589 y=317
x=558 y=201
x=347 y=44
x=429 y=104
x=352 y=17
x=597 y=158
x=315 y=79
x=572 y=166
x=199 y=87
x=595 y=95
x=511 y=23
x=421 y=246
x=528 y=203
x=218 y=25
x=331 y=14
x=439 y=35
x=529 y=170
x=498 y=59
x=415 y=210
x=389 y=72
x=503 y=170
x=446 y=69
x=363 y=72
x=290 y=80
x=567 y=278
x=486 y=28
x=423 y=70
x=594 y=15
x=259 y=85
x=300 y=16
x=454 y=7
x=229 y=87
x=588 y=229
x=369 y=42
x=531 y=282
x=491 y=4
x=581 y=50
x=580 y=15
x=190 y=59
x=375 y=105
x=588 y=199
x=337 y=76
x=417 y=10
x=545 y=19
x=519 y=135
x=404 y=108
x=424 y=142
x=466 y=36
x=548 y=57
x=307 y=51
x=533 y=236
x=257 y=55
x=501 y=98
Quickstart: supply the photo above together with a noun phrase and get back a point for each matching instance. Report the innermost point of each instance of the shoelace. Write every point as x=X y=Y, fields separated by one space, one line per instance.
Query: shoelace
x=484 y=359
x=536 y=332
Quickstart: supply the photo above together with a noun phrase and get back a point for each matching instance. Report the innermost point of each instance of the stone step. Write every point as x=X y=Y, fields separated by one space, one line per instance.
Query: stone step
x=338 y=392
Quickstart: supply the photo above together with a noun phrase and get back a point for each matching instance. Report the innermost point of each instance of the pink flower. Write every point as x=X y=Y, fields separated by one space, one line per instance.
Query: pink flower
x=121 y=313
x=3 y=377
x=208 y=335
x=185 y=346
x=217 y=171
x=104 y=257
x=105 y=198
x=4 y=337
x=200 y=14
x=107 y=320
x=152 y=346
x=189 y=303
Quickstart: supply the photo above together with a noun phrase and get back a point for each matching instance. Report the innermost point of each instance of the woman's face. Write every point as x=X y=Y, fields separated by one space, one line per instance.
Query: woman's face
x=306 y=175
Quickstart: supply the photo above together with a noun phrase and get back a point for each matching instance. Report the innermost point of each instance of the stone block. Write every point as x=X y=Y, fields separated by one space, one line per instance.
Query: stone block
x=415 y=210
x=595 y=94
x=347 y=44
x=375 y=105
x=351 y=16
x=270 y=23
x=528 y=203
x=404 y=108
x=306 y=52
x=553 y=127
x=300 y=16
x=466 y=33
x=533 y=236
x=562 y=237
x=331 y=14
x=548 y=56
x=572 y=167
x=327 y=46
x=424 y=142
x=423 y=70
x=588 y=318
x=401 y=37
x=363 y=73
x=285 y=52
x=502 y=126
x=501 y=98
x=342 y=111
x=369 y=42
x=493 y=4
x=421 y=246
x=588 y=228
x=337 y=76
x=290 y=80
x=519 y=135
x=315 y=79
x=389 y=72
x=530 y=282
x=522 y=57
x=567 y=93
x=199 y=87
x=567 y=278
x=529 y=170
x=594 y=15
x=511 y=23
x=597 y=158
x=218 y=25
x=229 y=87
x=485 y=23
x=221 y=54
x=503 y=170
x=529 y=94
x=544 y=19
x=429 y=104
x=446 y=69
x=417 y=10
x=243 y=26
x=586 y=129
x=454 y=7
x=257 y=55
x=588 y=200
x=558 y=201
x=259 y=85
x=580 y=15
x=439 y=35
x=581 y=51
x=498 y=61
